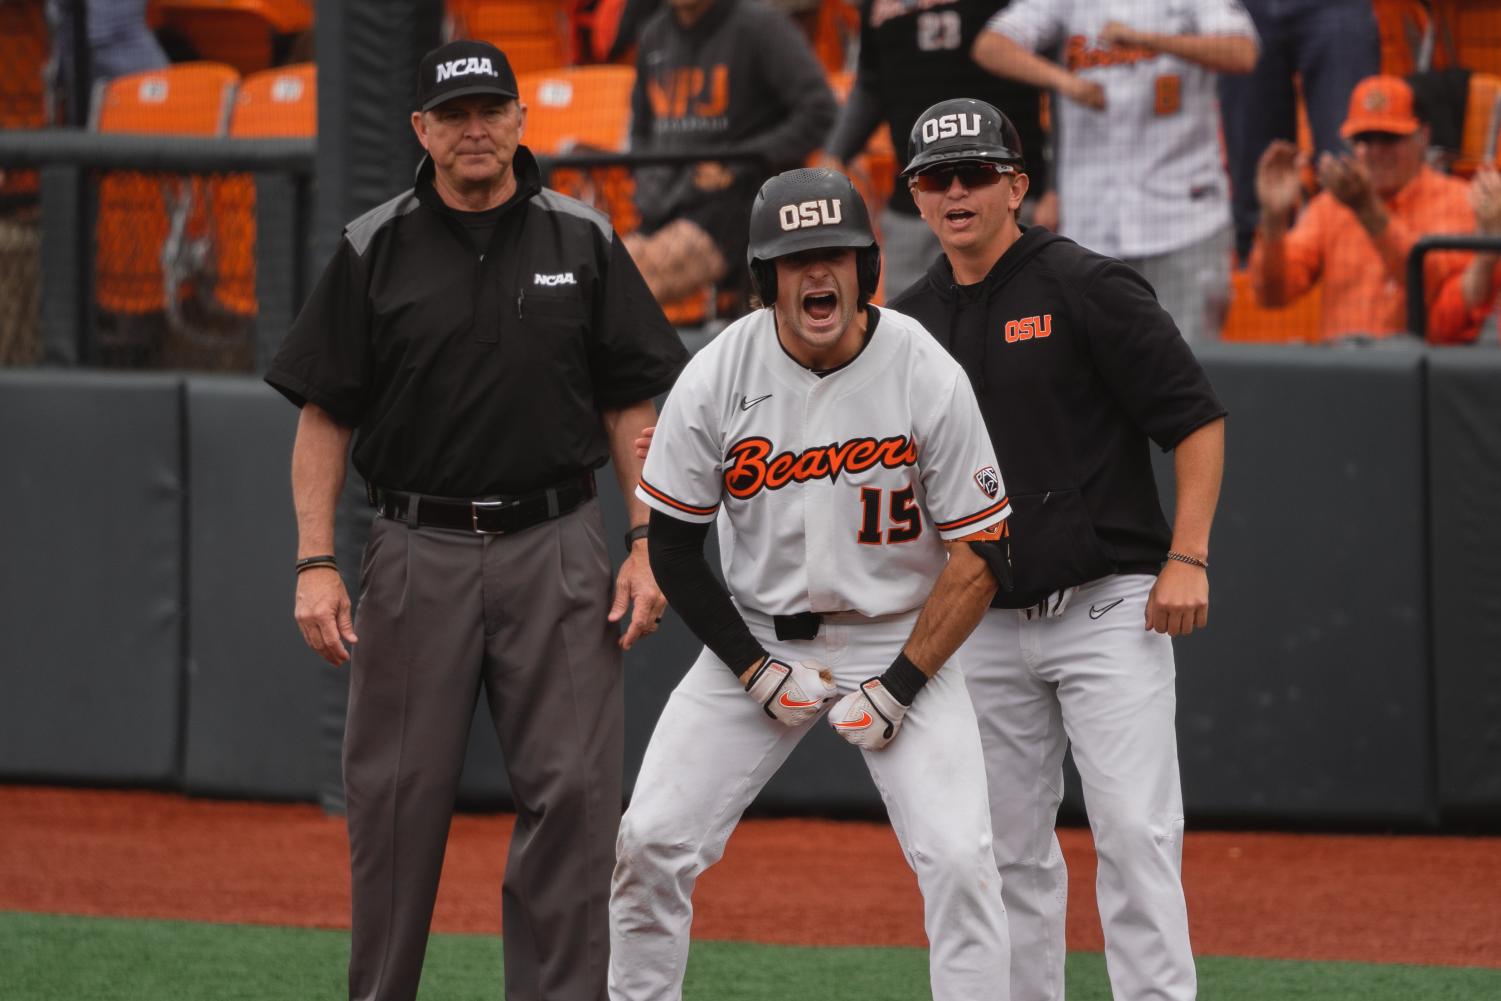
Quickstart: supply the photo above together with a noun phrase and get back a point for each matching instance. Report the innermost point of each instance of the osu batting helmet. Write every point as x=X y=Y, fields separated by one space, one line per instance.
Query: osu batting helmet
x=962 y=129
x=808 y=209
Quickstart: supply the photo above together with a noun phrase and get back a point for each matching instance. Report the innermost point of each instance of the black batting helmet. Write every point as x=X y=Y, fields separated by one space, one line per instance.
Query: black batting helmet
x=809 y=209
x=962 y=129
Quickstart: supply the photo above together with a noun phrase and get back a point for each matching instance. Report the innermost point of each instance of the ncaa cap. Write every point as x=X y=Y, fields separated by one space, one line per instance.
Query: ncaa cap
x=460 y=68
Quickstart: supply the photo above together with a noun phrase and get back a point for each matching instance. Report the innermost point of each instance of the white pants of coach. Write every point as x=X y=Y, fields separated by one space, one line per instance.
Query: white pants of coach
x=712 y=751
x=1093 y=677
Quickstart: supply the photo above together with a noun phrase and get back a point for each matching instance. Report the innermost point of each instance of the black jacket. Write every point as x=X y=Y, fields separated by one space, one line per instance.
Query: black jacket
x=1075 y=366
x=470 y=375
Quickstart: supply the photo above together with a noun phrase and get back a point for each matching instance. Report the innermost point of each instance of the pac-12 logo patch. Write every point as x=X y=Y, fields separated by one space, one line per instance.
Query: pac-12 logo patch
x=989 y=481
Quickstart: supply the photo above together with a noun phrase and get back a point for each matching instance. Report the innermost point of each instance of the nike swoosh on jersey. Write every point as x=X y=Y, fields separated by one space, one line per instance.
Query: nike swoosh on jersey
x=746 y=404
x=787 y=700
x=1095 y=611
x=861 y=723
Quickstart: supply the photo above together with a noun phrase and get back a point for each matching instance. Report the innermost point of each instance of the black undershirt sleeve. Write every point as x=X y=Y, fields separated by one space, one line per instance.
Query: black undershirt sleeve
x=676 y=549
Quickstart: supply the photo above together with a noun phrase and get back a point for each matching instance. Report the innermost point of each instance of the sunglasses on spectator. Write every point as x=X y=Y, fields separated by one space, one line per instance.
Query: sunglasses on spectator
x=971 y=175
x=1378 y=138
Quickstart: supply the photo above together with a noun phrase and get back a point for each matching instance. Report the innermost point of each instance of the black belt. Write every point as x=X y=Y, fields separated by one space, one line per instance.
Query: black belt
x=802 y=626
x=486 y=515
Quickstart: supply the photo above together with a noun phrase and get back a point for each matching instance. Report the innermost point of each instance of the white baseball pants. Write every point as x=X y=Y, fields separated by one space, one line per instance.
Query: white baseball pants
x=1093 y=677
x=712 y=751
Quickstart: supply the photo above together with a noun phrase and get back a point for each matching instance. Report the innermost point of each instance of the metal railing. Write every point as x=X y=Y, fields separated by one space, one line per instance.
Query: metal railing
x=1417 y=304
x=79 y=322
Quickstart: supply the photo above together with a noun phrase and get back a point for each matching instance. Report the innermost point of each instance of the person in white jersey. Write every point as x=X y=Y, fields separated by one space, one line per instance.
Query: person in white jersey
x=859 y=508
x=1137 y=148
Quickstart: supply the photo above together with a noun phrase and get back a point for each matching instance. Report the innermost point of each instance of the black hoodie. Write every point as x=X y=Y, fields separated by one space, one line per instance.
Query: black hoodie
x=1075 y=366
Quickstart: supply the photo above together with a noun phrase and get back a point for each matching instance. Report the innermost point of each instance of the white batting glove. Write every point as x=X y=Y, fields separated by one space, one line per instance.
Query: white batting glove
x=792 y=693
x=868 y=718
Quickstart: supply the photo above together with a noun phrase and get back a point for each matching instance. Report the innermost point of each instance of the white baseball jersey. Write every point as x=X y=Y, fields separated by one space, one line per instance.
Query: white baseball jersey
x=1144 y=175
x=837 y=491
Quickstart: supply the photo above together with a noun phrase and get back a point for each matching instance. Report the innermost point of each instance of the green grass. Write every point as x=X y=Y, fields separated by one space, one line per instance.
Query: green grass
x=58 y=958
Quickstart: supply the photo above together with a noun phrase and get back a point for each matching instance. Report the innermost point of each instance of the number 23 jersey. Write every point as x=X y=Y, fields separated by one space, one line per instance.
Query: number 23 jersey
x=834 y=492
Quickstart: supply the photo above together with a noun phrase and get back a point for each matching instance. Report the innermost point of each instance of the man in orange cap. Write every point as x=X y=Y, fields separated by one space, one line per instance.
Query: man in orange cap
x=1356 y=234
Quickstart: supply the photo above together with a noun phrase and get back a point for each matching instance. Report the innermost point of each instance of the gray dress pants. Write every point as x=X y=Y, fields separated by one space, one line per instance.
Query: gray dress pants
x=441 y=615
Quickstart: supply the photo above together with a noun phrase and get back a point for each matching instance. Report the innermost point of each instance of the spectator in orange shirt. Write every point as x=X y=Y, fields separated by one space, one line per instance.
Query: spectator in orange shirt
x=1355 y=235
x=1481 y=278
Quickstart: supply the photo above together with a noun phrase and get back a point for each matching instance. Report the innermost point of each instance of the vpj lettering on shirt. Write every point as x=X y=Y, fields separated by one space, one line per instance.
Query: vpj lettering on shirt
x=689 y=92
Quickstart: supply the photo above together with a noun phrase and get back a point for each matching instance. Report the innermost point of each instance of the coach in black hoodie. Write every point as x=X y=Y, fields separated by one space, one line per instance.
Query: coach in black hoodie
x=1075 y=367
x=713 y=76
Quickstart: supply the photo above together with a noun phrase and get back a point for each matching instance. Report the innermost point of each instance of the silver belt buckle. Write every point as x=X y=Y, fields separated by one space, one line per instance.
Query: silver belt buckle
x=494 y=505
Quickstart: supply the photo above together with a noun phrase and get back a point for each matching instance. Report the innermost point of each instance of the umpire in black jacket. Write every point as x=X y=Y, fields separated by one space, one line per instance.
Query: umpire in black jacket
x=489 y=344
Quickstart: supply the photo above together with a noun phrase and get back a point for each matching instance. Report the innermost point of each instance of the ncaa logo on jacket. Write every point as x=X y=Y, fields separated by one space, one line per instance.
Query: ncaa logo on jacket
x=465 y=67
x=819 y=212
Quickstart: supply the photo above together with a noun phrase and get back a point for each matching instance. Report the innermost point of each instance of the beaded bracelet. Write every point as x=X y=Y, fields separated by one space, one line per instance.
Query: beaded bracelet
x=1193 y=561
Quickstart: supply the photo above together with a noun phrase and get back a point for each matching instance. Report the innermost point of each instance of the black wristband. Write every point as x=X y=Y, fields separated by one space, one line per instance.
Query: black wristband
x=308 y=562
x=635 y=534
x=903 y=679
x=764 y=659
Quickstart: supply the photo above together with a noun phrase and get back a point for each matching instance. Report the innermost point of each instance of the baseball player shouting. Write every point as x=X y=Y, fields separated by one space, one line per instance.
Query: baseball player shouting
x=842 y=452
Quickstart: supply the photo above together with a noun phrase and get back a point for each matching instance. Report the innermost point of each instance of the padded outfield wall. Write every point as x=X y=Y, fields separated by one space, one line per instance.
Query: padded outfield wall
x=1348 y=676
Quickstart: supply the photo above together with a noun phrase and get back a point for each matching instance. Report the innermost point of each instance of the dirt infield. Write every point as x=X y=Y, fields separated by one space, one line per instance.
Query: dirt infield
x=1376 y=899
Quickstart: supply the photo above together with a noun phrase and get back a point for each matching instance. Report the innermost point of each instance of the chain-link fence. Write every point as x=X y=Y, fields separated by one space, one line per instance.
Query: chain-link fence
x=174 y=270
x=153 y=251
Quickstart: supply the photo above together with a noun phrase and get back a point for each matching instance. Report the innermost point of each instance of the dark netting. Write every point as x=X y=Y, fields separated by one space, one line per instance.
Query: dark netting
x=23 y=57
x=174 y=270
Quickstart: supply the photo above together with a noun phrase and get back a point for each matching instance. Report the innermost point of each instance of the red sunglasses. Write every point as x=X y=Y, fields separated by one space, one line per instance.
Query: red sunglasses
x=971 y=175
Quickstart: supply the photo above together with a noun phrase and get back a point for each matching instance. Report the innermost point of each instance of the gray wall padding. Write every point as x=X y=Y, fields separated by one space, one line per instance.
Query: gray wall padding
x=1307 y=699
x=1464 y=393
x=91 y=577
x=253 y=685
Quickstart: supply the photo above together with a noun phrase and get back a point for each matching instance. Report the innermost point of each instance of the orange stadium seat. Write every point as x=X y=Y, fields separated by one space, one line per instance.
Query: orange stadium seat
x=1473 y=27
x=241 y=33
x=276 y=103
x=1250 y=323
x=532 y=33
x=136 y=210
x=584 y=108
x=1482 y=122
x=581 y=106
